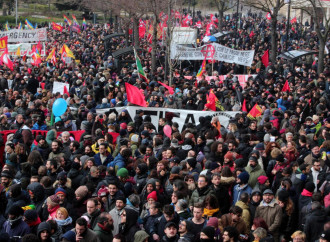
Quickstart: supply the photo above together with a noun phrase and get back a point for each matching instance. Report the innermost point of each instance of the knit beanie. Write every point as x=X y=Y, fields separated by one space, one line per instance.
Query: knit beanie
x=16 y=210
x=31 y=215
x=152 y=195
x=209 y=232
x=240 y=163
x=244 y=177
x=192 y=162
x=121 y=198
x=283 y=195
x=122 y=172
x=280 y=158
x=53 y=200
x=70 y=236
x=60 y=190
x=213 y=222
x=262 y=179
x=81 y=191
x=123 y=126
x=131 y=124
x=103 y=191
x=229 y=155
x=310 y=186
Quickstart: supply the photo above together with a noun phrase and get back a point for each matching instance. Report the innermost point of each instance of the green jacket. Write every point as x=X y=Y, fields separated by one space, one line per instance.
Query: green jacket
x=198 y=196
x=254 y=174
x=104 y=236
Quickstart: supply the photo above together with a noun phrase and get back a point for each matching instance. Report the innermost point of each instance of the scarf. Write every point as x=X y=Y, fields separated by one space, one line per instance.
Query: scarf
x=306 y=193
x=210 y=212
x=33 y=223
x=104 y=228
x=52 y=210
x=64 y=222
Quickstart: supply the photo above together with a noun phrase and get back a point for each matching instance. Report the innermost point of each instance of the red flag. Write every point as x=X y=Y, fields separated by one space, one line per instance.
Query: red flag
x=286 y=87
x=256 y=111
x=57 y=27
x=134 y=95
x=196 y=83
x=130 y=31
x=268 y=16
x=252 y=34
x=177 y=14
x=39 y=46
x=142 y=29
x=198 y=25
x=244 y=106
x=65 y=90
x=265 y=58
x=6 y=60
x=170 y=89
x=210 y=103
x=294 y=20
x=42 y=84
x=214 y=19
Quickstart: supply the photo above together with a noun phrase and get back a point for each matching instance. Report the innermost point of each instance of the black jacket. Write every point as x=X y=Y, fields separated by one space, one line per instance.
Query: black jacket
x=314 y=224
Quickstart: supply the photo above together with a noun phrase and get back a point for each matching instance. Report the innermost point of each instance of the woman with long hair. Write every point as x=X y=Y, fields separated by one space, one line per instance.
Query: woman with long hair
x=291 y=152
x=288 y=221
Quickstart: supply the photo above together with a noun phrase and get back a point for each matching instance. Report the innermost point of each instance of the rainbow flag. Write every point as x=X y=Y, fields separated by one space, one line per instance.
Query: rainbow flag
x=202 y=69
x=20 y=25
x=7 y=26
x=29 y=24
x=67 y=20
x=84 y=23
x=74 y=20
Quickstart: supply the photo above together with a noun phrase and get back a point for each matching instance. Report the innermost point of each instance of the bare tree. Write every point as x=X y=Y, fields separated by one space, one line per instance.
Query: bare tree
x=273 y=7
x=223 y=6
x=314 y=8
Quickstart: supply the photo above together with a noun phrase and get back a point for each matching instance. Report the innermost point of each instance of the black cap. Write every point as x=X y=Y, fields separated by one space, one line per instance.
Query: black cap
x=171 y=224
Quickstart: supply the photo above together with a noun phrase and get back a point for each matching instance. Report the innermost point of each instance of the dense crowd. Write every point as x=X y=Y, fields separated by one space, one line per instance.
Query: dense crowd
x=263 y=179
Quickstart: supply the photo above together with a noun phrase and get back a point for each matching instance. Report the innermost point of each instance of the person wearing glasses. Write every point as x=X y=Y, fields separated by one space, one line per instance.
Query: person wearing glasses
x=271 y=212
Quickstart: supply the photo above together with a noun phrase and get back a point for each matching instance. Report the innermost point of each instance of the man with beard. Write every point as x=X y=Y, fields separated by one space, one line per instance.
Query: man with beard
x=201 y=192
x=42 y=147
x=92 y=211
x=18 y=122
x=233 y=218
x=44 y=232
x=103 y=157
x=6 y=179
x=56 y=150
x=65 y=183
x=314 y=155
x=52 y=170
x=62 y=196
x=254 y=170
x=15 y=226
x=4 y=123
x=83 y=233
x=103 y=228
x=79 y=203
x=185 y=230
x=241 y=186
x=114 y=193
x=116 y=213
x=74 y=150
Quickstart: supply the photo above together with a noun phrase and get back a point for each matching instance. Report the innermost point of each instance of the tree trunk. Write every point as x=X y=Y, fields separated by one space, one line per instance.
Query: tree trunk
x=116 y=24
x=274 y=40
x=127 y=35
x=154 y=47
x=220 y=20
x=320 y=65
x=4 y=12
x=136 y=32
x=168 y=69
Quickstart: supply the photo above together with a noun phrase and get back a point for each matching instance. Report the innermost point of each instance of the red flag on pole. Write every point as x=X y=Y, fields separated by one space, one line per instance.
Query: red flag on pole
x=6 y=60
x=294 y=20
x=65 y=90
x=244 y=106
x=170 y=89
x=134 y=95
x=42 y=84
x=256 y=111
x=265 y=58
x=286 y=87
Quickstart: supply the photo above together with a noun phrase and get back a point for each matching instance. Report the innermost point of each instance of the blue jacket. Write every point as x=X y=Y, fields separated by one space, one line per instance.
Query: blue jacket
x=118 y=162
x=98 y=162
x=18 y=228
x=237 y=191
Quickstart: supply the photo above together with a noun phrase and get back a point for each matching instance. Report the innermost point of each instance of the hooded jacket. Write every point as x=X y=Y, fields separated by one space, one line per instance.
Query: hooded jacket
x=141 y=179
x=130 y=227
x=16 y=227
x=254 y=173
x=21 y=199
x=314 y=224
x=45 y=226
x=39 y=196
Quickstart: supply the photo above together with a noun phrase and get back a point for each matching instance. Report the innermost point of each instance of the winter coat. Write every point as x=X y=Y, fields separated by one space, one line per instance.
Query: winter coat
x=160 y=223
x=76 y=176
x=314 y=224
x=222 y=195
x=93 y=217
x=104 y=236
x=254 y=174
x=21 y=200
x=118 y=162
x=226 y=220
x=116 y=217
x=98 y=162
x=17 y=228
x=199 y=195
x=246 y=213
x=39 y=196
x=148 y=223
x=90 y=236
x=272 y=214
x=238 y=190
x=131 y=226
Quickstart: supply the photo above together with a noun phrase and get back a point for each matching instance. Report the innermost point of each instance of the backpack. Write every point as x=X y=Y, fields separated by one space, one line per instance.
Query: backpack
x=18 y=137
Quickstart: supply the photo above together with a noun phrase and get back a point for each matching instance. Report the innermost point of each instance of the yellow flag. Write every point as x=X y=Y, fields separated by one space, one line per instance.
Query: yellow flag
x=50 y=54
x=67 y=50
x=18 y=52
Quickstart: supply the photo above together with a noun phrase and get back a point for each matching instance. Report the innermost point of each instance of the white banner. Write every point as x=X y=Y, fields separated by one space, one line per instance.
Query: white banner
x=25 y=49
x=183 y=36
x=23 y=36
x=213 y=51
x=181 y=116
x=59 y=87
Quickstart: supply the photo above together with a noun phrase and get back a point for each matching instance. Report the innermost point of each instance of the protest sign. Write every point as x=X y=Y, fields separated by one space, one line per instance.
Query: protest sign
x=25 y=35
x=59 y=87
x=25 y=49
x=184 y=36
x=181 y=116
x=213 y=51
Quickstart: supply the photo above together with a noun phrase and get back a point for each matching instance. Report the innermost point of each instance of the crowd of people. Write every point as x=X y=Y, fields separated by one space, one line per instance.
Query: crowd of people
x=262 y=179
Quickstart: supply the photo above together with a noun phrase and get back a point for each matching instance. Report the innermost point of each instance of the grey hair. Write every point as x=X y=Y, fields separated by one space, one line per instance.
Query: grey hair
x=260 y=232
x=134 y=199
x=65 y=133
x=182 y=204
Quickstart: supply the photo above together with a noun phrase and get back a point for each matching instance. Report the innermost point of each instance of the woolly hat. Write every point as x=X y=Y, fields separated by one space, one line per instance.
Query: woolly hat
x=209 y=232
x=213 y=222
x=192 y=162
x=122 y=172
x=214 y=165
x=283 y=195
x=200 y=157
x=252 y=158
x=123 y=126
x=145 y=133
x=244 y=177
x=6 y=174
x=260 y=146
x=62 y=175
x=310 y=186
x=256 y=191
x=53 y=200
x=16 y=210
x=121 y=198
x=262 y=179
x=229 y=155
x=152 y=195
x=122 y=132
x=60 y=190
x=31 y=215
x=70 y=236
x=103 y=191
x=240 y=163
x=140 y=236
x=280 y=158
x=175 y=170
x=81 y=191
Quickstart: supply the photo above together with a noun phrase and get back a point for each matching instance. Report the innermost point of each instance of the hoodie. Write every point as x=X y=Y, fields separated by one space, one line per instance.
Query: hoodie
x=39 y=196
x=130 y=227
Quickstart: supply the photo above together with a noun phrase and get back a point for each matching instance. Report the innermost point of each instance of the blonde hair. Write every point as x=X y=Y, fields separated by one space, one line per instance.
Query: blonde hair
x=299 y=233
x=63 y=211
x=275 y=152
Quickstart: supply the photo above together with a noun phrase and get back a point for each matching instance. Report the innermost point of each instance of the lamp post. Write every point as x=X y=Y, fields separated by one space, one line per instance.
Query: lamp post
x=16 y=11
x=287 y=25
x=237 y=18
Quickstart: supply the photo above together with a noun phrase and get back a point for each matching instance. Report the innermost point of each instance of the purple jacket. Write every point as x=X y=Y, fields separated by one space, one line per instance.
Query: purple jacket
x=18 y=228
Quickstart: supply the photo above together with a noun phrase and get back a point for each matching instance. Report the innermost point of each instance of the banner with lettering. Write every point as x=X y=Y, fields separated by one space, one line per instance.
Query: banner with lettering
x=25 y=35
x=181 y=116
x=25 y=49
x=212 y=51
